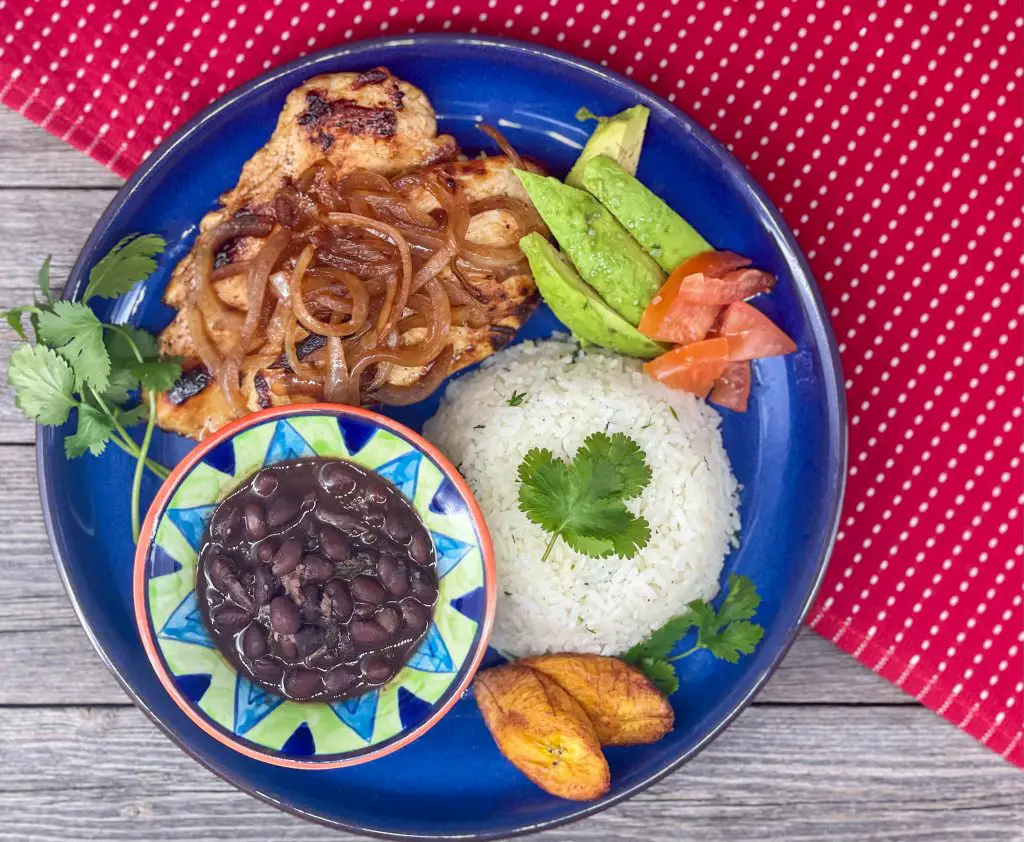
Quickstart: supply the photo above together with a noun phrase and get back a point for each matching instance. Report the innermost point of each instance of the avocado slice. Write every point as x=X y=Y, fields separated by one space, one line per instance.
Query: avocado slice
x=619 y=137
x=663 y=233
x=577 y=305
x=604 y=253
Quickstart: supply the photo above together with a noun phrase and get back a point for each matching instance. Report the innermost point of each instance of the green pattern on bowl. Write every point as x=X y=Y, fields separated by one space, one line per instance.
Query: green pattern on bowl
x=271 y=725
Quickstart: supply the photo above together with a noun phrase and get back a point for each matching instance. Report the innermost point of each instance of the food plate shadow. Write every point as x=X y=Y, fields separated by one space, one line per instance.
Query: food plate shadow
x=789 y=451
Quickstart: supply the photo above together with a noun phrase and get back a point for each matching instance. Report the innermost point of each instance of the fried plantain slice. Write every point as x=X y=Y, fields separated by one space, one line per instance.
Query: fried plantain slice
x=543 y=732
x=625 y=707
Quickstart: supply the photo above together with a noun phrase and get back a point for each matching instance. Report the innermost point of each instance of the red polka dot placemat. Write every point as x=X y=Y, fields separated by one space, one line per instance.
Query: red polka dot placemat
x=888 y=132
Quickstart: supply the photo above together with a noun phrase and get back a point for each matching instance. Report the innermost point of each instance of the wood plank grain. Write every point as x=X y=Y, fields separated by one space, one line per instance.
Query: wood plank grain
x=815 y=672
x=31 y=157
x=846 y=775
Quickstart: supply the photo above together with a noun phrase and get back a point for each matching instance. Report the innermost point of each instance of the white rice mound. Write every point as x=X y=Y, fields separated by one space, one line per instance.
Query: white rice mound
x=571 y=602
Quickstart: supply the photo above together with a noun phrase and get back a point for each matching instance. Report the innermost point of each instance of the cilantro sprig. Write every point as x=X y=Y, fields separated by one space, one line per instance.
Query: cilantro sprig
x=78 y=362
x=583 y=502
x=726 y=633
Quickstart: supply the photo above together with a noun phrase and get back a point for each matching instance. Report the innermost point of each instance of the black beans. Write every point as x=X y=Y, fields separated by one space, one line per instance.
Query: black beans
x=284 y=615
x=399 y=529
x=316 y=568
x=263 y=585
x=238 y=593
x=367 y=631
x=349 y=524
x=416 y=616
x=341 y=603
x=388 y=618
x=285 y=649
x=255 y=521
x=339 y=679
x=265 y=483
x=225 y=523
x=282 y=510
x=287 y=558
x=333 y=544
x=363 y=610
x=310 y=609
x=419 y=548
x=337 y=478
x=301 y=683
x=392 y=574
x=317 y=579
x=368 y=589
x=229 y=618
x=254 y=642
x=267 y=670
x=422 y=588
x=266 y=550
x=218 y=569
x=307 y=640
x=376 y=670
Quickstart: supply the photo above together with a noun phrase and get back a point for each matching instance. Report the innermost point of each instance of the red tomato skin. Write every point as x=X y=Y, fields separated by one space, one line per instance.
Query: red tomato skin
x=732 y=389
x=751 y=334
x=731 y=287
x=691 y=368
x=669 y=319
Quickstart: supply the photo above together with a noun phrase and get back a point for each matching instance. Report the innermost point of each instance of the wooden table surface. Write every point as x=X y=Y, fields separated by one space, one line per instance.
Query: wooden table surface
x=828 y=751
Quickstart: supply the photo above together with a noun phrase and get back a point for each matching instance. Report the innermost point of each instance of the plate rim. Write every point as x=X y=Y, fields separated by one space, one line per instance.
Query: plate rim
x=820 y=328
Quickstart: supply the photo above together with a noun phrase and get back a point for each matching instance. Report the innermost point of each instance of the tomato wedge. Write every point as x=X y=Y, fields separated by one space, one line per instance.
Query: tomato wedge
x=671 y=319
x=691 y=368
x=732 y=389
x=751 y=334
x=731 y=287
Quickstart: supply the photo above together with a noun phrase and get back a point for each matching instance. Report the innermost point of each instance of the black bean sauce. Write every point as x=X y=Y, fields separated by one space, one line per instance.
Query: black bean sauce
x=317 y=579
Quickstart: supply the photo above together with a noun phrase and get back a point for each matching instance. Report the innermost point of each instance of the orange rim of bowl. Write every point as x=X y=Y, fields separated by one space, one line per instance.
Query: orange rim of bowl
x=163 y=497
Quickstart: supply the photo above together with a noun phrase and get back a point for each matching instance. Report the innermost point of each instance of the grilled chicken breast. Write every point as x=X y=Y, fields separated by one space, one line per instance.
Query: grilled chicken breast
x=368 y=121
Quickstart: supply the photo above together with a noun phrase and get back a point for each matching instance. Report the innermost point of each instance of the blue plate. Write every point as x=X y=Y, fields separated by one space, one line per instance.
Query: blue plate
x=788 y=450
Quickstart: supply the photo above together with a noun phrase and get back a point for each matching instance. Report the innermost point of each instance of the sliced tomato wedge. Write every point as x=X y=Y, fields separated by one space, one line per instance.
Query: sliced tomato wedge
x=691 y=368
x=668 y=318
x=683 y=323
x=751 y=334
x=733 y=286
x=732 y=389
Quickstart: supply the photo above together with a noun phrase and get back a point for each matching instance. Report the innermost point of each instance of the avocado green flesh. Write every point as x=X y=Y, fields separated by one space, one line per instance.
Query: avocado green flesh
x=577 y=305
x=603 y=252
x=619 y=137
x=663 y=233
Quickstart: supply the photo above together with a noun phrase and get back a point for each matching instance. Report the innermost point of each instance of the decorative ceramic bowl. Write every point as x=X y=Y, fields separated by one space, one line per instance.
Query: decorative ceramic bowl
x=267 y=726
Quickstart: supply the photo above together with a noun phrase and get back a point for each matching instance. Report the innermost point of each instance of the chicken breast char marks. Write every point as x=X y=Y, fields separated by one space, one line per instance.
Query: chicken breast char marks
x=351 y=139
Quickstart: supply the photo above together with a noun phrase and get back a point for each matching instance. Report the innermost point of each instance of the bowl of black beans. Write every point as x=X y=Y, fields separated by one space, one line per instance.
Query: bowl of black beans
x=314 y=585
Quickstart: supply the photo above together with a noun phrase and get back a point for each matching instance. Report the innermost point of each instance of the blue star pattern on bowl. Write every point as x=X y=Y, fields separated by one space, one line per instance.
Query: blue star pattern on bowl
x=270 y=725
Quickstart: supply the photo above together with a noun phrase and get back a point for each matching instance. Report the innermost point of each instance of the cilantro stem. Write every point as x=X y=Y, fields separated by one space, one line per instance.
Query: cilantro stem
x=551 y=545
x=124 y=440
x=147 y=437
x=132 y=450
x=685 y=654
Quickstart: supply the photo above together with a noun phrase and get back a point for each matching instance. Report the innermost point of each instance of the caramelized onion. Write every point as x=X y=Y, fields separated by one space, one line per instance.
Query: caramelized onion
x=360 y=278
x=503 y=144
x=229 y=270
x=397 y=294
x=336 y=381
x=360 y=301
x=257 y=278
x=209 y=244
x=428 y=383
